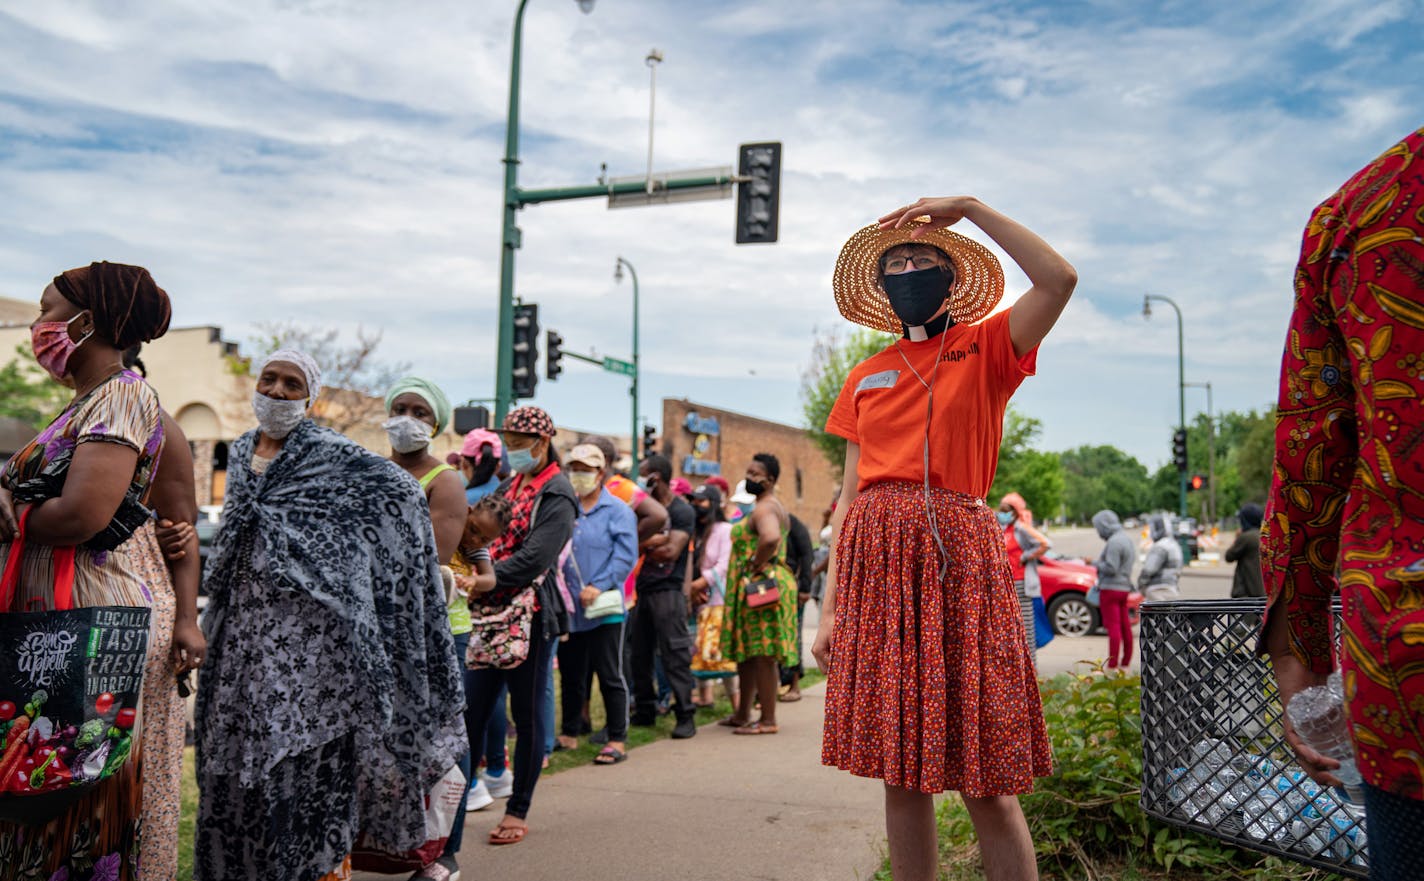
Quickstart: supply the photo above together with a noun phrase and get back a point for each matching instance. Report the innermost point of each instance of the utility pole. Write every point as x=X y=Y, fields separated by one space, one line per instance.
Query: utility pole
x=1212 y=513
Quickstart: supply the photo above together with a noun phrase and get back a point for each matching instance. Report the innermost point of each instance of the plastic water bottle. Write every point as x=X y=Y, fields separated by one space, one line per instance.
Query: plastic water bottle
x=1318 y=714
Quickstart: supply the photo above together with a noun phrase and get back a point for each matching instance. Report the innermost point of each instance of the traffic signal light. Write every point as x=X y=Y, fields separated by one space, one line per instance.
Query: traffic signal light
x=650 y=441
x=467 y=419
x=759 y=193
x=553 y=354
x=1179 y=449
x=1196 y=482
x=526 y=350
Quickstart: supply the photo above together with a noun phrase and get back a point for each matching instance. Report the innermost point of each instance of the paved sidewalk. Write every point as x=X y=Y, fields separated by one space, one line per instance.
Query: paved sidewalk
x=715 y=807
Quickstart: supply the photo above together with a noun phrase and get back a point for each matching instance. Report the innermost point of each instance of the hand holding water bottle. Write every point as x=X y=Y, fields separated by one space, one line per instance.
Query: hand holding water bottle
x=1292 y=677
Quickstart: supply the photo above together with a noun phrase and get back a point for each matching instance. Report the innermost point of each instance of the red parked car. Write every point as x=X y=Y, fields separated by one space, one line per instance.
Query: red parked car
x=1066 y=582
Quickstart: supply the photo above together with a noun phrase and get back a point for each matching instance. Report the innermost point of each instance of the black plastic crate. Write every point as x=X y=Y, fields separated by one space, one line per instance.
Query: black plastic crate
x=1213 y=757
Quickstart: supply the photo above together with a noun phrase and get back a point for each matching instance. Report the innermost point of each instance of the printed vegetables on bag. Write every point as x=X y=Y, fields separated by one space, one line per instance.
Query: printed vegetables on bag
x=42 y=754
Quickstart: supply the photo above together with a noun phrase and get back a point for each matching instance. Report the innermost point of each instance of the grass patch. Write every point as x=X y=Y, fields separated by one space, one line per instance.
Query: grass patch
x=559 y=761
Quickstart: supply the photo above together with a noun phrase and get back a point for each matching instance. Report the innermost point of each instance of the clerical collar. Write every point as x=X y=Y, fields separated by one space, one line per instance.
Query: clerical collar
x=931 y=329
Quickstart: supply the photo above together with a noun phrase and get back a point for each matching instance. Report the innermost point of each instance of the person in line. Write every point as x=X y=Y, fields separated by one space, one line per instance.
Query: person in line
x=481 y=463
x=760 y=637
x=417 y=411
x=605 y=547
x=176 y=642
x=931 y=686
x=1346 y=506
x=800 y=559
x=325 y=551
x=82 y=483
x=1245 y=552
x=1026 y=546
x=712 y=546
x=543 y=509
x=660 y=624
x=1163 y=567
x=652 y=520
x=1114 y=567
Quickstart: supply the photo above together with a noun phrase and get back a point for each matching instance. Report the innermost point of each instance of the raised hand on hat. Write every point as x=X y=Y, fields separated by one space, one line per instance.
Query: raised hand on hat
x=1053 y=278
x=942 y=211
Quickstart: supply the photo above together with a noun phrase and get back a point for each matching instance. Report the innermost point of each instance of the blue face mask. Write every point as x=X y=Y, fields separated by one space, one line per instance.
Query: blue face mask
x=1005 y=517
x=522 y=461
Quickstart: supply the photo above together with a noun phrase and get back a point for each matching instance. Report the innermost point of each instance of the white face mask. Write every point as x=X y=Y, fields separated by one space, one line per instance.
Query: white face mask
x=585 y=483
x=407 y=433
x=276 y=418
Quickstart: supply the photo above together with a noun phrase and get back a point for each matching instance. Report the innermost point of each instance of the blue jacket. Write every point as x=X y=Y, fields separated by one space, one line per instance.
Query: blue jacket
x=606 y=548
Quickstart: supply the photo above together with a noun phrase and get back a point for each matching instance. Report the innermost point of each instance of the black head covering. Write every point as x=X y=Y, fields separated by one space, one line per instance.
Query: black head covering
x=1250 y=516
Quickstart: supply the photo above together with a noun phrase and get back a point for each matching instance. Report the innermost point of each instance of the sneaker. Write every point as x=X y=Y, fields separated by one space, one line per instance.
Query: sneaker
x=478 y=798
x=686 y=727
x=643 y=720
x=443 y=869
x=498 y=785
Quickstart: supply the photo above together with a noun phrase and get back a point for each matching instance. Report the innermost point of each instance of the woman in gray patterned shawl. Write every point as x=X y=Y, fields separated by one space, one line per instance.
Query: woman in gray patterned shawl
x=331 y=701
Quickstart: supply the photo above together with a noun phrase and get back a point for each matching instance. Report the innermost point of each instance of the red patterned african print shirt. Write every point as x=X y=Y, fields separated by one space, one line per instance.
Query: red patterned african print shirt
x=1346 y=509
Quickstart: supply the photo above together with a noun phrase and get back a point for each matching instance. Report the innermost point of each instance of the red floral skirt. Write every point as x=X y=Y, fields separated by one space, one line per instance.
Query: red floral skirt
x=931 y=686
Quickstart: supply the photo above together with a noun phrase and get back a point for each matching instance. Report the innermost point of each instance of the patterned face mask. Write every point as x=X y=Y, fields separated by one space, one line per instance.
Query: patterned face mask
x=407 y=434
x=276 y=418
x=53 y=346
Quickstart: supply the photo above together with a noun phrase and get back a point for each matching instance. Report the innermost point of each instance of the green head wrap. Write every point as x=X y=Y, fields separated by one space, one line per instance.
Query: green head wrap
x=427 y=390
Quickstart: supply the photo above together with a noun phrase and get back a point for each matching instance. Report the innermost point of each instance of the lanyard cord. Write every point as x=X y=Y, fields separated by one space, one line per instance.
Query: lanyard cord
x=944 y=559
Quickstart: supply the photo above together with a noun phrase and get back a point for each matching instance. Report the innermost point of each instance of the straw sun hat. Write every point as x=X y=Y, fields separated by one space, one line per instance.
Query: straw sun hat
x=978 y=277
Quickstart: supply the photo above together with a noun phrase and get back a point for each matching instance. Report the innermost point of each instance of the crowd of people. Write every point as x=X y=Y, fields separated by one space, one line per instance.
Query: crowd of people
x=442 y=593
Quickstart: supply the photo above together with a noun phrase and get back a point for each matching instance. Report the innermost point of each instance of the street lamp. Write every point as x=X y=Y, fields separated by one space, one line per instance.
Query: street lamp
x=510 y=235
x=1181 y=387
x=618 y=277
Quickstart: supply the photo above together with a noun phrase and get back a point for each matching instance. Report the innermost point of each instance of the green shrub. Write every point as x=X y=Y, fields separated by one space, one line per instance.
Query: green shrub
x=1085 y=819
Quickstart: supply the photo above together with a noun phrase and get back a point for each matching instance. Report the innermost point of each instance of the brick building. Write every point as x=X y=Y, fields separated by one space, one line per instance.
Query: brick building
x=702 y=441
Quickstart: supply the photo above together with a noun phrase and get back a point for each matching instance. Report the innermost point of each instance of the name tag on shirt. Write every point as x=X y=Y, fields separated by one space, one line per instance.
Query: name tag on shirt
x=883 y=379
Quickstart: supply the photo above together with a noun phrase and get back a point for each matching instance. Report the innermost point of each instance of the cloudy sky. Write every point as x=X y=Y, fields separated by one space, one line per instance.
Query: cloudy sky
x=337 y=163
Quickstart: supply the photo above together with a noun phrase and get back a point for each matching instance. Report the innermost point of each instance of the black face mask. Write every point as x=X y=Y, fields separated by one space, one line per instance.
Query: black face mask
x=917 y=295
x=755 y=487
x=702 y=513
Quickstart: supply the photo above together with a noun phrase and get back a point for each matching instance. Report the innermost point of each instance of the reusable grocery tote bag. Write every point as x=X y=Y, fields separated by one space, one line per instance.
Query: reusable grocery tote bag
x=70 y=681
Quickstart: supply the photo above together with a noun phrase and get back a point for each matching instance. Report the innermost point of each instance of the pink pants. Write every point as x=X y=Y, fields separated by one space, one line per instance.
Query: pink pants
x=1113 y=604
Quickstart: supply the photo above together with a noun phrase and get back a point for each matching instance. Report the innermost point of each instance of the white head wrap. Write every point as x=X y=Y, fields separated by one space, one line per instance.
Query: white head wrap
x=304 y=362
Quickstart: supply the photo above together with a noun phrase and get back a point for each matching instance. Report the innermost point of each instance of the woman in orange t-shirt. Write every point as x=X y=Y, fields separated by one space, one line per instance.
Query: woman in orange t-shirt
x=931 y=683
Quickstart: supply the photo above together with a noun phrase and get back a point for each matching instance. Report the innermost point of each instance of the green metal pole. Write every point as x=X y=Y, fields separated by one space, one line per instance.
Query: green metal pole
x=593 y=191
x=1181 y=391
x=509 y=237
x=636 y=436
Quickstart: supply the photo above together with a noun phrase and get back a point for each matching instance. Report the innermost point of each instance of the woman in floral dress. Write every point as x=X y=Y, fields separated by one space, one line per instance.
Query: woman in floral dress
x=81 y=484
x=762 y=637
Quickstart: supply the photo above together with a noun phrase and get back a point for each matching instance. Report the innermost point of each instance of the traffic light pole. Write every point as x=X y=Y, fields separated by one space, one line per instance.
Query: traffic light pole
x=1210 y=452
x=509 y=236
x=1181 y=389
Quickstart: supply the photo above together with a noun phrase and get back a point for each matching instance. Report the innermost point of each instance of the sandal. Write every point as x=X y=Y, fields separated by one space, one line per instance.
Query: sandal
x=609 y=756
x=733 y=722
x=497 y=838
x=790 y=697
x=752 y=728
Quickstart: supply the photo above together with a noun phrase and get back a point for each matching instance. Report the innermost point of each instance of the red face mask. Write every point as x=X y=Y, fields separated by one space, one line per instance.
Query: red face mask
x=53 y=346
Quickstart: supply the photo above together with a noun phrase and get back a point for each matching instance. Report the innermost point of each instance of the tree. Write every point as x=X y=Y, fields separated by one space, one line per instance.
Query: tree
x=1254 y=458
x=28 y=393
x=1035 y=474
x=821 y=383
x=1098 y=477
x=354 y=383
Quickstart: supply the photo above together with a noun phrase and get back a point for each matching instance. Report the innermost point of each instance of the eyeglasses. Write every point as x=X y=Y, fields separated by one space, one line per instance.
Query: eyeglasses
x=898 y=264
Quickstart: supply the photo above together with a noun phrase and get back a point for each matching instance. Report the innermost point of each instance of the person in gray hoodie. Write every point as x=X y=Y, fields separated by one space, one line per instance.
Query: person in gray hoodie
x=1163 y=566
x=1114 y=566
